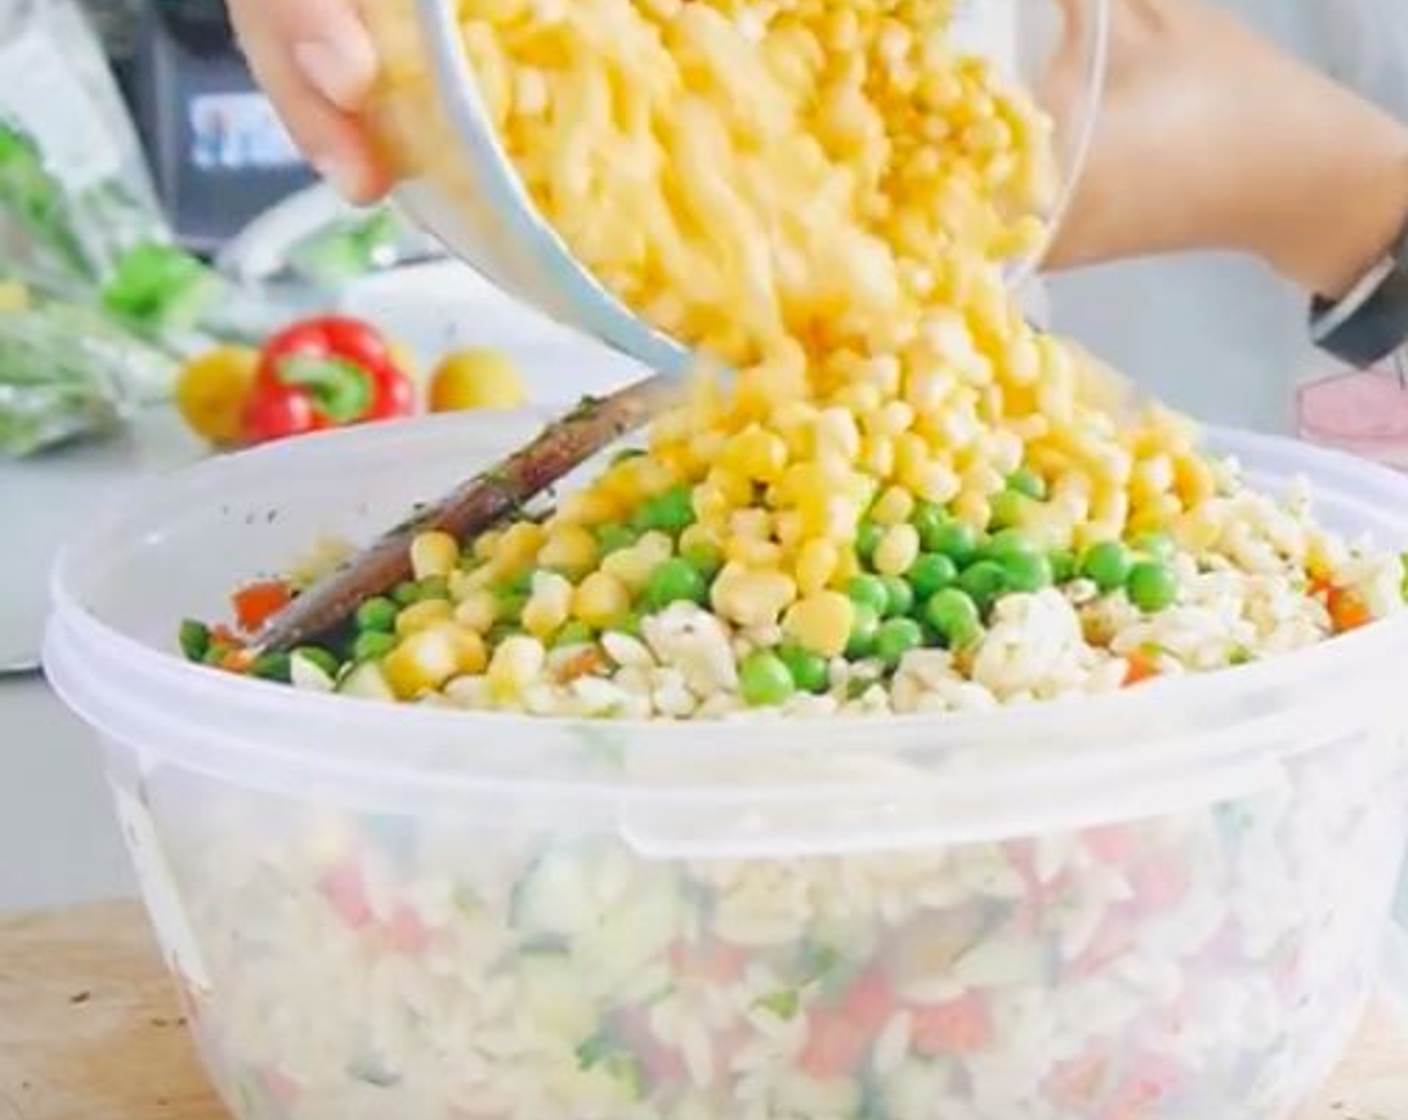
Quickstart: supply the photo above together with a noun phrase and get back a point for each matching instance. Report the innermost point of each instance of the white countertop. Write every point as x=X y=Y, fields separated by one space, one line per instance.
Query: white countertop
x=53 y=804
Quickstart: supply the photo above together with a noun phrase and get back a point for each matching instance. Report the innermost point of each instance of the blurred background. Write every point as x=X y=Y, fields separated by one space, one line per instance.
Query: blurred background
x=152 y=208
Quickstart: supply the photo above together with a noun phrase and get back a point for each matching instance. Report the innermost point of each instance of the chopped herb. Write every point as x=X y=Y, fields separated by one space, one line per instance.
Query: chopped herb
x=782 y=1004
x=272 y=667
x=194 y=638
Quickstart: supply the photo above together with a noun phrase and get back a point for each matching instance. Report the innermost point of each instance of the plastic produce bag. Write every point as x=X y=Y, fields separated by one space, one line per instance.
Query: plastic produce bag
x=65 y=371
x=61 y=95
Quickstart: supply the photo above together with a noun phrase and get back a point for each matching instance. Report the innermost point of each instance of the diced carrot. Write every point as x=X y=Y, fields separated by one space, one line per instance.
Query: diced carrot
x=835 y=1045
x=1140 y=667
x=587 y=661
x=222 y=635
x=406 y=933
x=1347 y=610
x=870 y=1001
x=958 y=1027
x=716 y=961
x=283 y=1090
x=346 y=893
x=238 y=661
x=256 y=603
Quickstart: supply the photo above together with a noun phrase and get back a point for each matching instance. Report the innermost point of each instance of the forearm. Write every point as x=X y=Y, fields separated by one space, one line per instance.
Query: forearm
x=1214 y=139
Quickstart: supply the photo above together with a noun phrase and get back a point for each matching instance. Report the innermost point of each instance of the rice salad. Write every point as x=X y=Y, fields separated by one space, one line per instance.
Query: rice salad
x=904 y=497
x=901 y=499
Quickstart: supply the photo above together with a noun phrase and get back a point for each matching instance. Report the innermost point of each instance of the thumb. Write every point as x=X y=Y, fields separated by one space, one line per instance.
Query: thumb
x=318 y=64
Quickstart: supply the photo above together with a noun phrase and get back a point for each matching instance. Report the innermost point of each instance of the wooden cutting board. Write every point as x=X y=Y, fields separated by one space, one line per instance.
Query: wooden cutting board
x=89 y=1031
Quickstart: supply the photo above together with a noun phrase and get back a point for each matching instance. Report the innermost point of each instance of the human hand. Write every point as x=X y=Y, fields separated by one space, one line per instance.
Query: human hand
x=1212 y=138
x=317 y=63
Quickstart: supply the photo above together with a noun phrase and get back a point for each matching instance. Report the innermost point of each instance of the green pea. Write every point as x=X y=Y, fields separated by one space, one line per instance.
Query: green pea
x=522 y=583
x=1010 y=543
x=899 y=596
x=1107 y=565
x=926 y=519
x=404 y=594
x=954 y=616
x=1152 y=586
x=611 y=536
x=933 y=571
x=868 y=536
x=432 y=587
x=764 y=680
x=672 y=511
x=1028 y=483
x=323 y=659
x=377 y=614
x=272 y=667
x=1007 y=509
x=509 y=605
x=984 y=581
x=870 y=591
x=675 y=581
x=953 y=539
x=628 y=624
x=1063 y=566
x=1028 y=572
x=897 y=637
x=575 y=632
x=865 y=628
x=372 y=645
x=808 y=669
x=705 y=559
x=194 y=639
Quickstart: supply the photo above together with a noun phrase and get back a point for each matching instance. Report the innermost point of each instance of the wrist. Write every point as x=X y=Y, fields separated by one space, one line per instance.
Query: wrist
x=1342 y=232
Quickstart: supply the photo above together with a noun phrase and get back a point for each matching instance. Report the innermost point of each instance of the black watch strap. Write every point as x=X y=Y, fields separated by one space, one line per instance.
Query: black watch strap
x=1371 y=322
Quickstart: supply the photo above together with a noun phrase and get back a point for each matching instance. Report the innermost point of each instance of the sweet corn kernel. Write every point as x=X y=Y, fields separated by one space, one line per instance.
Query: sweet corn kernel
x=634 y=565
x=695 y=537
x=600 y=600
x=592 y=506
x=897 y=551
x=753 y=553
x=893 y=506
x=478 y=611
x=816 y=564
x=486 y=543
x=569 y=547
x=428 y=658
x=420 y=615
x=434 y=554
x=517 y=548
x=549 y=605
x=756 y=454
x=749 y=597
x=517 y=662
x=821 y=622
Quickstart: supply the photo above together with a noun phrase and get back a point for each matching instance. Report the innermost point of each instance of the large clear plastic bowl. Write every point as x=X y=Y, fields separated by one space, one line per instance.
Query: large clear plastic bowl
x=458 y=183
x=1163 y=904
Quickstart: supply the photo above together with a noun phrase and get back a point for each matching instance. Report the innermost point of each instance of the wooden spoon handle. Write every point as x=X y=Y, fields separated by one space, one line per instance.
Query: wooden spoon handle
x=469 y=509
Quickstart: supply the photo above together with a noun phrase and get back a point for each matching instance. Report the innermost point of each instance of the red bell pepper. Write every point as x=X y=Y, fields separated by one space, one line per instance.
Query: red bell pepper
x=325 y=373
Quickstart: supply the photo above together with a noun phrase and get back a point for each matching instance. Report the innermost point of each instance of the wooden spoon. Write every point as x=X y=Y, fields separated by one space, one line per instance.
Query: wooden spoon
x=469 y=509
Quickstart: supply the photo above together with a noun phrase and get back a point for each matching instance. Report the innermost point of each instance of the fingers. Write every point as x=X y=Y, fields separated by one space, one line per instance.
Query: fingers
x=318 y=65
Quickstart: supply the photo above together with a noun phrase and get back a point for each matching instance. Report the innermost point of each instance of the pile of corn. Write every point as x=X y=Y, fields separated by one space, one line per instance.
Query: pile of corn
x=823 y=198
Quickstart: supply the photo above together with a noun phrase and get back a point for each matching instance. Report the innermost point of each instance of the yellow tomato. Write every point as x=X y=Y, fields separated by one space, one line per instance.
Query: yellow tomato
x=14 y=296
x=477 y=379
x=212 y=391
